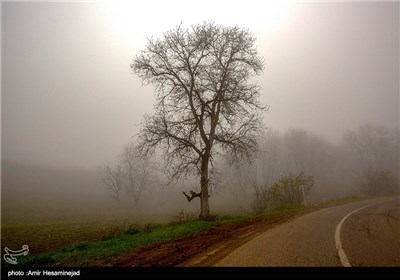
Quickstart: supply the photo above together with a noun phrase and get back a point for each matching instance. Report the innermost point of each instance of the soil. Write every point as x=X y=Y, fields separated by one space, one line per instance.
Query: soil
x=203 y=248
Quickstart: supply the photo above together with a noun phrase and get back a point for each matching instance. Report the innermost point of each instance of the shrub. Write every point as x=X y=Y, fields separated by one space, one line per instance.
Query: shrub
x=182 y=218
x=133 y=229
x=287 y=191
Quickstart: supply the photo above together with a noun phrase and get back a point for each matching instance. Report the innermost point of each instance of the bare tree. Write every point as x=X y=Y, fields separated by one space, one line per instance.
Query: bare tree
x=114 y=181
x=373 y=146
x=136 y=171
x=378 y=182
x=205 y=103
x=373 y=153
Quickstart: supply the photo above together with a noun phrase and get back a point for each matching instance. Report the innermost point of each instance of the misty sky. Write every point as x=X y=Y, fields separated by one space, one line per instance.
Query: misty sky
x=70 y=99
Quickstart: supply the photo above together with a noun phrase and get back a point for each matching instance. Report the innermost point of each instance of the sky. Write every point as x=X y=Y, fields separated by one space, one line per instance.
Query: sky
x=70 y=99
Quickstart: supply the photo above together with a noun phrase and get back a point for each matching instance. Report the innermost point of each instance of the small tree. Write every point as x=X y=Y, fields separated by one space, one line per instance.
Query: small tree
x=205 y=101
x=114 y=181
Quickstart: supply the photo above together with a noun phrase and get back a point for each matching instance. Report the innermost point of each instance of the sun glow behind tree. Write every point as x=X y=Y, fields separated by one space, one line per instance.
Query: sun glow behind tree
x=155 y=16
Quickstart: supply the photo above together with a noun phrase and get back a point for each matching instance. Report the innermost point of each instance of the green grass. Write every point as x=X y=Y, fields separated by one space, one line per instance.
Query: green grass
x=341 y=200
x=329 y=203
x=103 y=252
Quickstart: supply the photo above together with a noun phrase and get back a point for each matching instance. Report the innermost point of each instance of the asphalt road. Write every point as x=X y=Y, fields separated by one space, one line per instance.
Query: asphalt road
x=369 y=237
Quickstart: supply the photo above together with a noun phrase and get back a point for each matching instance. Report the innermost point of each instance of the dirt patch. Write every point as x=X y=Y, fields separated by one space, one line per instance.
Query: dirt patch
x=204 y=248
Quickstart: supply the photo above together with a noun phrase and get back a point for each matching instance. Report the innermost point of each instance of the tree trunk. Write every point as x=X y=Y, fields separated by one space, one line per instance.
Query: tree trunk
x=205 y=207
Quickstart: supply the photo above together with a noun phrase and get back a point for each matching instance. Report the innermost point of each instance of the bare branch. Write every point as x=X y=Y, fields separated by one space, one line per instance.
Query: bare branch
x=192 y=195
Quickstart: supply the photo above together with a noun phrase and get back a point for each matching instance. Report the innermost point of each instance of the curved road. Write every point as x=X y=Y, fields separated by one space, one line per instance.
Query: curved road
x=369 y=237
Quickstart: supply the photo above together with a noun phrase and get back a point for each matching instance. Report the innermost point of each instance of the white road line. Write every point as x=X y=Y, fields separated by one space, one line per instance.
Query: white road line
x=342 y=255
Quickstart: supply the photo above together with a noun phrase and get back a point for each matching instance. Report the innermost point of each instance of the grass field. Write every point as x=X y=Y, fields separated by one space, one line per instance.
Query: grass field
x=85 y=244
x=86 y=253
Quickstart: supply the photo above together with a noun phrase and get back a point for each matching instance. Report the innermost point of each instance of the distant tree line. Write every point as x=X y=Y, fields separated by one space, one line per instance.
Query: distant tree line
x=365 y=162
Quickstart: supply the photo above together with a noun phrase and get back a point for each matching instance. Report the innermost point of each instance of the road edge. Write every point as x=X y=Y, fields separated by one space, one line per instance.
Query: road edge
x=344 y=260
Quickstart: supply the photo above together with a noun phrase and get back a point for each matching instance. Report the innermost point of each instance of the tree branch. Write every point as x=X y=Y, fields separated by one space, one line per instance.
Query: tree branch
x=192 y=195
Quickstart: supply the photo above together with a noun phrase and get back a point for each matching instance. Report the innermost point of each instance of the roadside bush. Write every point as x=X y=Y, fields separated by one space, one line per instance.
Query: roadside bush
x=133 y=229
x=118 y=229
x=114 y=231
x=148 y=228
x=287 y=191
x=182 y=218
x=136 y=228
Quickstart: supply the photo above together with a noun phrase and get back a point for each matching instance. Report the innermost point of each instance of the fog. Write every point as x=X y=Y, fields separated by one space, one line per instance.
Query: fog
x=70 y=101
